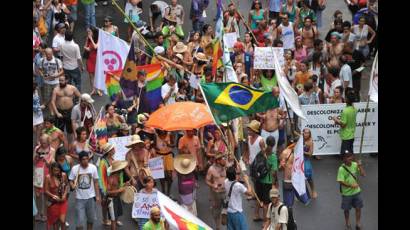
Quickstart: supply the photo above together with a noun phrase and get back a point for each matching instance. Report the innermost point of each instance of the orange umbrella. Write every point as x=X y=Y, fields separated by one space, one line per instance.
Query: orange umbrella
x=180 y=116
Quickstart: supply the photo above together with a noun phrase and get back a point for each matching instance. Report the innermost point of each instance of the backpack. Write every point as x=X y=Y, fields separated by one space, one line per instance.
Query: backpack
x=259 y=166
x=291 y=224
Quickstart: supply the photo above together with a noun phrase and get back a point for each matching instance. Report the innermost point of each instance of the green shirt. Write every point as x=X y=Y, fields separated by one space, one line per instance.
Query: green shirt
x=267 y=84
x=345 y=176
x=305 y=13
x=273 y=164
x=151 y=226
x=87 y=2
x=348 y=118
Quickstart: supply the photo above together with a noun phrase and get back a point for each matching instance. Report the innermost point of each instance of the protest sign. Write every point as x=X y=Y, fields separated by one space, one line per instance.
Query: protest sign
x=263 y=57
x=143 y=203
x=230 y=39
x=119 y=145
x=325 y=133
x=156 y=165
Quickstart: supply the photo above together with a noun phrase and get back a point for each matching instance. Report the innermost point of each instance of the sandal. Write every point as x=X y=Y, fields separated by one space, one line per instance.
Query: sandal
x=257 y=219
x=107 y=223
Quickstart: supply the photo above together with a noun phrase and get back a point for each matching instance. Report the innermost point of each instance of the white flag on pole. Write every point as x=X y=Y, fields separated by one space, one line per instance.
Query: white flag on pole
x=286 y=89
x=111 y=56
x=374 y=80
x=298 y=174
x=229 y=71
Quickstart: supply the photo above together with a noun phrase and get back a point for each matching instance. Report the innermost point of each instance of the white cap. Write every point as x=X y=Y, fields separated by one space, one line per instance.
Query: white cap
x=159 y=50
x=87 y=98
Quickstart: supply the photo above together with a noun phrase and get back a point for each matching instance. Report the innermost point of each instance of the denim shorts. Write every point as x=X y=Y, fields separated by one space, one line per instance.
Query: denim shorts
x=236 y=221
x=86 y=210
x=354 y=201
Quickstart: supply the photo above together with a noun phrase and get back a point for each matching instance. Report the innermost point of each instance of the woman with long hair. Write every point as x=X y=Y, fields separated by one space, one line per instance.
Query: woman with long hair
x=362 y=30
x=56 y=189
x=90 y=50
x=292 y=10
x=80 y=144
x=256 y=14
x=249 y=45
x=206 y=40
x=114 y=120
x=337 y=96
x=300 y=50
x=215 y=145
x=194 y=44
x=109 y=27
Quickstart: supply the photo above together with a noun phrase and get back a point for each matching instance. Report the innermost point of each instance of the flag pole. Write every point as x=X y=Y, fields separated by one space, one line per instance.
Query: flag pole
x=226 y=143
x=364 y=126
x=244 y=22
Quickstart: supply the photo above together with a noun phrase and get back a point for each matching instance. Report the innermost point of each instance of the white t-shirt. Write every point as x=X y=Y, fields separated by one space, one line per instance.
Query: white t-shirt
x=51 y=68
x=85 y=186
x=161 y=5
x=164 y=91
x=70 y=51
x=235 y=202
x=58 y=40
x=275 y=218
x=335 y=84
x=346 y=75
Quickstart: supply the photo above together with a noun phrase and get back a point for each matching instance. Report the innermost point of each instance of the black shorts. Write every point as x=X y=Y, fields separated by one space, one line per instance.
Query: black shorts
x=346 y=145
x=262 y=191
x=354 y=201
x=114 y=208
x=65 y=121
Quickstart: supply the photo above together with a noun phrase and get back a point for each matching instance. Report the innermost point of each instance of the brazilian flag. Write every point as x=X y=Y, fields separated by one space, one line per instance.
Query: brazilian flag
x=230 y=100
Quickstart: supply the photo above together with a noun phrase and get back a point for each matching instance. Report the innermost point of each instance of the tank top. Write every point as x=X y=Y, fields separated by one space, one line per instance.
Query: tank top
x=78 y=149
x=360 y=35
x=300 y=54
x=254 y=148
x=66 y=167
x=288 y=36
x=256 y=17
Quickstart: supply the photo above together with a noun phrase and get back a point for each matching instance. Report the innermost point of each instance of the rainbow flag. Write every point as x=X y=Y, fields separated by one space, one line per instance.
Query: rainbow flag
x=183 y=224
x=103 y=175
x=112 y=84
x=217 y=45
x=155 y=79
x=100 y=130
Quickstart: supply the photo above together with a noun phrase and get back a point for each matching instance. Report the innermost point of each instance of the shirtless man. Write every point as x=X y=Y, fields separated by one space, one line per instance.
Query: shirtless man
x=270 y=123
x=309 y=33
x=335 y=49
x=286 y=164
x=56 y=135
x=215 y=179
x=62 y=102
x=137 y=158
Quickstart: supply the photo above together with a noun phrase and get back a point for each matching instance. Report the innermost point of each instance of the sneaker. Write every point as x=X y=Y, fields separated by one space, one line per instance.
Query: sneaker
x=105 y=3
x=67 y=224
x=119 y=223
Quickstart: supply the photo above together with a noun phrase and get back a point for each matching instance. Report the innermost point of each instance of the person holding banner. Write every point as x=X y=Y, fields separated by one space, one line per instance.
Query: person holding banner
x=347 y=122
x=149 y=188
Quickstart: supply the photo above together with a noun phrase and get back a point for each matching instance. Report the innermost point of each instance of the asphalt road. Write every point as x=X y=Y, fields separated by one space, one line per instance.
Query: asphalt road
x=323 y=213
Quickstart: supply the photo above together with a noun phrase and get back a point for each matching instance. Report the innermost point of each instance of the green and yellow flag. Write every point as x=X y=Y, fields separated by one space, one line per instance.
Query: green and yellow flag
x=230 y=100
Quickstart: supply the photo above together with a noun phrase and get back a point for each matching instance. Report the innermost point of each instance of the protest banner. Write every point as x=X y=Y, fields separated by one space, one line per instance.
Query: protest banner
x=325 y=133
x=263 y=57
x=143 y=203
x=119 y=145
x=230 y=39
x=156 y=165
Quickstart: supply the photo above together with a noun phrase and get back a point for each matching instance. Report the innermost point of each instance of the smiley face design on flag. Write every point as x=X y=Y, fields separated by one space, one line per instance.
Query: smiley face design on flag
x=239 y=96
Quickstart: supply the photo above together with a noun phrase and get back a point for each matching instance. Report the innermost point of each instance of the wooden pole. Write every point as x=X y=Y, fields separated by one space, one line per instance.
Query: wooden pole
x=246 y=25
x=365 y=120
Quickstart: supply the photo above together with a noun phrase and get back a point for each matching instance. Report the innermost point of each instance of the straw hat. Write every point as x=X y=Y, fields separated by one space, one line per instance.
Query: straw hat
x=180 y=56
x=180 y=47
x=201 y=57
x=117 y=166
x=254 y=126
x=140 y=116
x=171 y=18
x=124 y=126
x=135 y=139
x=87 y=98
x=107 y=148
x=184 y=163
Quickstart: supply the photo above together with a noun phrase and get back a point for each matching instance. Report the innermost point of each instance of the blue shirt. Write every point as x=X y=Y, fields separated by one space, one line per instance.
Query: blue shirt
x=196 y=8
x=274 y=5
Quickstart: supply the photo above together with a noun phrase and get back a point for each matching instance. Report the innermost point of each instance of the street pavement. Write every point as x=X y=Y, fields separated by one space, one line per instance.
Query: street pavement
x=324 y=213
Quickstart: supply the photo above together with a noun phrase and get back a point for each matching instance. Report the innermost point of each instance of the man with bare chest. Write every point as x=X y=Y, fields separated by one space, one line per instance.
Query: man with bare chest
x=270 y=125
x=215 y=179
x=335 y=49
x=137 y=158
x=309 y=33
x=56 y=135
x=62 y=102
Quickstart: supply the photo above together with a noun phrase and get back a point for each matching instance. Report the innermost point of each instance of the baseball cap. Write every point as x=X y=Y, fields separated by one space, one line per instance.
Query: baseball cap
x=273 y=193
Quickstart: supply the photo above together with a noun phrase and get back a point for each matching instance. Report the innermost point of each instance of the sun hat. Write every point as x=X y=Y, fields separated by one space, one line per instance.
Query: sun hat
x=140 y=116
x=184 y=163
x=201 y=56
x=180 y=47
x=124 y=126
x=180 y=57
x=87 y=98
x=107 y=148
x=254 y=126
x=117 y=166
x=273 y=193
x=135 y=139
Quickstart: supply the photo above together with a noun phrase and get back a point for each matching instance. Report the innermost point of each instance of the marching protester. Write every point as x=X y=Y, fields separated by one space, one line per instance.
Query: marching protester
x=185 y=165
x=277 y=214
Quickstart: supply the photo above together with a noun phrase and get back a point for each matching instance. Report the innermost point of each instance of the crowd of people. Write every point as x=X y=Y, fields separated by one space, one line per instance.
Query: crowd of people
x=321 y=71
